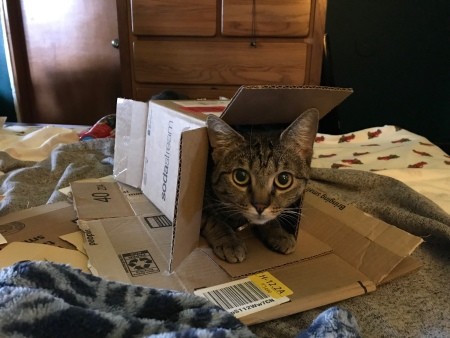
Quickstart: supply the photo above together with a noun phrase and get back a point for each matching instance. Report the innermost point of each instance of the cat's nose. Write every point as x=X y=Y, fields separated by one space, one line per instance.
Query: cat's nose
x=260 y=207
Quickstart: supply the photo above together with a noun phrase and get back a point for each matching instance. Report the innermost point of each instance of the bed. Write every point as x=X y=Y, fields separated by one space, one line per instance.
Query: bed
x=386 y=171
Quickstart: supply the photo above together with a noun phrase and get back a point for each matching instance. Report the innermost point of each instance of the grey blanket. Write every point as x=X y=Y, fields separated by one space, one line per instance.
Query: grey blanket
x=413 y=306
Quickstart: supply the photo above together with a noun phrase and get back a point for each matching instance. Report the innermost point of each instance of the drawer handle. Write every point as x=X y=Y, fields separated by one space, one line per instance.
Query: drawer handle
x=115 y=43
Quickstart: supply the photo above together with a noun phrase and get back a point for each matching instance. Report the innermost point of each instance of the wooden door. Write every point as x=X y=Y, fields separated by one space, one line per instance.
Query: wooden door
x=65 y=67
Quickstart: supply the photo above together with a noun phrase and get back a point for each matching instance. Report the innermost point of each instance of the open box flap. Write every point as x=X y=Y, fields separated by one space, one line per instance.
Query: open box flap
x=97 y=200
x=368 y=244
x=191 y=185
x=267 y=104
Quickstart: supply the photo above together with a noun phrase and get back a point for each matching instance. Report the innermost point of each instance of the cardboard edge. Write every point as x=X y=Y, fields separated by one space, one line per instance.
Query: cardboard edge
x=34 y=211
x=191 y=185
x=405 y=267
x=272 y=268
x=356 y=227
x=336 y=295
x=131 y=120
x=255 y=98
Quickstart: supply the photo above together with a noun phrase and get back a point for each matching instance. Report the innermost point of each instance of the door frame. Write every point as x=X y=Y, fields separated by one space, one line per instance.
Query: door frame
x=18 y=59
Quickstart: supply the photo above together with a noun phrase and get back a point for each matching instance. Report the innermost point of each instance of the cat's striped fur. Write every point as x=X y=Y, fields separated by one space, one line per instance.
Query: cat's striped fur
x=256 y=176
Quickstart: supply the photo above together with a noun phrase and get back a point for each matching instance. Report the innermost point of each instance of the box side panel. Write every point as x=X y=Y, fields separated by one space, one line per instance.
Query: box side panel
x=161 y=163
x=131 y=121
x=189 y=199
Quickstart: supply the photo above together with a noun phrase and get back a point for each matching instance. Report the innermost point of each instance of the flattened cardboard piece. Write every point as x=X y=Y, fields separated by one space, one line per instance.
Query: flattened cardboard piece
x=370 y=245
x=189 y=198
x=268 y=104
x=123 y=199
x=307 y=247
x=317 y=282
x=19 y=251
x=43 y=225
x=121 y=249
x=131 y=121
x=162 y=147
x=76 y=239
x=128 y=249
x=94 y=200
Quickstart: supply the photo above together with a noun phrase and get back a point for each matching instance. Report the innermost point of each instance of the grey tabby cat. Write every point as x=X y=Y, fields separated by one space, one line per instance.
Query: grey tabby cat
x=256 y=177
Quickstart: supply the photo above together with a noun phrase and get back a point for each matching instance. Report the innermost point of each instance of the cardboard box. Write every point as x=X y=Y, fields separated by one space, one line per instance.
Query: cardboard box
x=341 y=252
x=176 y=147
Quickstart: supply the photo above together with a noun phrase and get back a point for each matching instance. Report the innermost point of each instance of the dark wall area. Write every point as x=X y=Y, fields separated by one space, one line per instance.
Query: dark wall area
x=396 y=57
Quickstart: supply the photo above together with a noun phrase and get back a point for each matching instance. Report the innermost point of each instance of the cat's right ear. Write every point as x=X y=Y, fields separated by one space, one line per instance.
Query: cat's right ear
x=222 y=137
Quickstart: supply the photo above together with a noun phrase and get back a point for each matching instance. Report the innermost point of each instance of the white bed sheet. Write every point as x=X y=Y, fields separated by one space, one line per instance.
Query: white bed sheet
x=393 y=152
x=34 y=143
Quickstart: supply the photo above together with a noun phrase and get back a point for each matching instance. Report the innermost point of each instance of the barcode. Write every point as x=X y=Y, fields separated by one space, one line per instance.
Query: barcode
x=241 y=297
x=236 y=295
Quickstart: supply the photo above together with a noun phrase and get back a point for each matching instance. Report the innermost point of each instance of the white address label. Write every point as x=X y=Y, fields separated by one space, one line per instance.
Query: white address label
x=241 y=297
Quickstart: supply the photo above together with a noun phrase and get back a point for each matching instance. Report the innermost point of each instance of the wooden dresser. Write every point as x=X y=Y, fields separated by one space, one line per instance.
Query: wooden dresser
x=209 y=48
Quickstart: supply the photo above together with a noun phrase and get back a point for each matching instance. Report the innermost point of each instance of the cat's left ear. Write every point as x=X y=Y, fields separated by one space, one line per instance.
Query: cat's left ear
x=300 y=135
x=222 y=137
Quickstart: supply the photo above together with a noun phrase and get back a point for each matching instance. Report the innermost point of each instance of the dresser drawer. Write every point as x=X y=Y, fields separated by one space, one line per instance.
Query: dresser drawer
x=219 y=62
x=285 y=18
x=174 y=17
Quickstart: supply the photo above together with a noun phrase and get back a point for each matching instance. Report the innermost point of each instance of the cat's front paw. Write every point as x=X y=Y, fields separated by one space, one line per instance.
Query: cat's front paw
x=276 y=238
x=284 y=243
x=233 y=252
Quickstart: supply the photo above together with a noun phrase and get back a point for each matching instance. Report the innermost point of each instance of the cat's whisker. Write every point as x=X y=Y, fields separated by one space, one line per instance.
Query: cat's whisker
x=226 y=208
x=294 y=214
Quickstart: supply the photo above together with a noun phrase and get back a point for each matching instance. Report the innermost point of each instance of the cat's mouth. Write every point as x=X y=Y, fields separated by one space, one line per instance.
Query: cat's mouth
x=258 y=218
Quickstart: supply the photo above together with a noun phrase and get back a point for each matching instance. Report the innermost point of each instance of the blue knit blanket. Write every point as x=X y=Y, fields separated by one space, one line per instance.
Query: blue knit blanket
x=43 y=299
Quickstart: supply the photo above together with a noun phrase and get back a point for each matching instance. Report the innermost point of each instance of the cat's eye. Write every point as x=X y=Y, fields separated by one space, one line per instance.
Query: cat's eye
x=241 y=177
x=283 y=180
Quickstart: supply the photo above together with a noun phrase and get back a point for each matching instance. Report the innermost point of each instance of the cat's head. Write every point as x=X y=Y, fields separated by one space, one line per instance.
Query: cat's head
x=259 y=175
